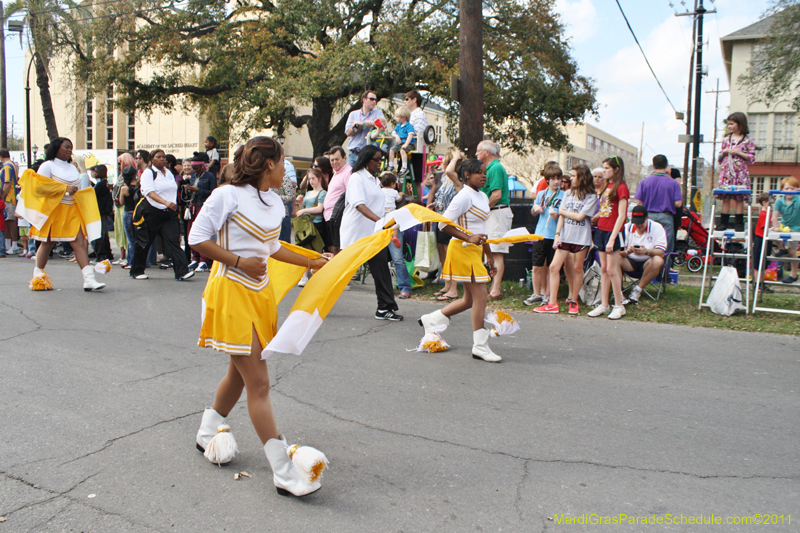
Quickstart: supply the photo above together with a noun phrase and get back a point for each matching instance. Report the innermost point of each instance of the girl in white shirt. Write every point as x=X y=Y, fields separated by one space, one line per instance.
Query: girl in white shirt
x=239 y=312
x=470 y=210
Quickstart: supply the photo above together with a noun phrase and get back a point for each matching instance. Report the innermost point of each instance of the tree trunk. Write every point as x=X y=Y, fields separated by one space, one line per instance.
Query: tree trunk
x=322 y=135
x=470 y=75
x=47 y=104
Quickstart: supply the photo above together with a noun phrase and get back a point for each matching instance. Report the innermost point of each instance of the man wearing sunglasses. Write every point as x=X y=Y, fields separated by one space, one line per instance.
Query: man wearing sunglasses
x=359 y=122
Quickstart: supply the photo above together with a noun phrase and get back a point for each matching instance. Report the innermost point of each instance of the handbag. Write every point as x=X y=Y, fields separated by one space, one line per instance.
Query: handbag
x=426 y=257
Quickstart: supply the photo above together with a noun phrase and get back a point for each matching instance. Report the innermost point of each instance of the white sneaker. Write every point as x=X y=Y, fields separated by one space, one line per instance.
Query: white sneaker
x=534 y=298
x=303 y=281
x=634 y=295
x=142 y=276
x=545 y=300
x=201 y=267
x=600 y=310
x=347 y=287
x=617 y=313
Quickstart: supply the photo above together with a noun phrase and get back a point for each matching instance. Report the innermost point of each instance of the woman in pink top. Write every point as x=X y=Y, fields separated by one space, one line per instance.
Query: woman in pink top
x=336 y=188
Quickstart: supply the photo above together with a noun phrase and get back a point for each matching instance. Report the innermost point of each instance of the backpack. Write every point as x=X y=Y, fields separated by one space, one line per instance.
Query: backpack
x=338 y=210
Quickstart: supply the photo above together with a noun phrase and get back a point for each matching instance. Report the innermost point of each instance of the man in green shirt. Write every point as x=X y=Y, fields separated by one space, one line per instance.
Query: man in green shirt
x=499 y=222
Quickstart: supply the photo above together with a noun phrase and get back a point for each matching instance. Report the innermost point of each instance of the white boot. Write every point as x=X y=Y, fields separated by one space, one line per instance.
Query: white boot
x=285 y=476
x=89 y=283
x=214 y=438
x=480 y=347
x=436 y=318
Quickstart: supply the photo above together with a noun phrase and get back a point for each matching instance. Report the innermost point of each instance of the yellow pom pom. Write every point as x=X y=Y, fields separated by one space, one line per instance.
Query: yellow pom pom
x=435 y=345
x=42 y=282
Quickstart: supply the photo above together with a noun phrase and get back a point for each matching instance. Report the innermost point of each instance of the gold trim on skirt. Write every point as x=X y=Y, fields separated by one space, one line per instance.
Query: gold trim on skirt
x=230 y=313
x=464 y=263
x=62 y=225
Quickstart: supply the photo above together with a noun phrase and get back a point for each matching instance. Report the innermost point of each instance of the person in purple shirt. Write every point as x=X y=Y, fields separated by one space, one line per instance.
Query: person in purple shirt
x=660 y=194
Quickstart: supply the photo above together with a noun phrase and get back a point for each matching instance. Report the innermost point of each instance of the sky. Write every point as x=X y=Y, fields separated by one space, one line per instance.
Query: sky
x=605 y=51
x=627 y=93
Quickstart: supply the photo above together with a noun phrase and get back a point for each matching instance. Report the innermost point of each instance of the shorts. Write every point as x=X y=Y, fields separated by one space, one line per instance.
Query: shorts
x=333 y=234
x=758 y=242
x=601 y=238
x=10 y=210
x=638 y=266
x=397 y=147
x=23 y=231
x=499 y=224
x=543 y=251
x=442 y=237
x=572 y=248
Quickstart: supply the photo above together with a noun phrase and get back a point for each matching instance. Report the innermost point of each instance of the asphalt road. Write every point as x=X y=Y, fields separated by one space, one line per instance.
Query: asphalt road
x=102 y=395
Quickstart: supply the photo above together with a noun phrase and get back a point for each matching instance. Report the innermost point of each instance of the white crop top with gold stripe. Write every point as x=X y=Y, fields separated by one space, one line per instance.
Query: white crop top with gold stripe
x=244 y=225
x=469 y=209
x=62 y=172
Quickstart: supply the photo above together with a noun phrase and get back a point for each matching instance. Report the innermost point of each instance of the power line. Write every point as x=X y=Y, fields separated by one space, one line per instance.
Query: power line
x=645 y=57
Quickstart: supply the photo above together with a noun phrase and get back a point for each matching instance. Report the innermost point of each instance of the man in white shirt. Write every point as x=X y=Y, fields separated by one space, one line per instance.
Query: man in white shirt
x=359 y=122
x=643 y=254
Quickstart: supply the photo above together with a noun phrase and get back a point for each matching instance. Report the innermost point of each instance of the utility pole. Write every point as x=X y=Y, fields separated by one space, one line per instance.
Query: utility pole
x=714 y=150
x=698 y=90
x=3 y=125
x=470 y=75
x=685 y=191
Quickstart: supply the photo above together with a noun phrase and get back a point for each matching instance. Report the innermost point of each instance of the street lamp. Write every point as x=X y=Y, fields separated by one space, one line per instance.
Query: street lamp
x=280 y=138
x=35 y=149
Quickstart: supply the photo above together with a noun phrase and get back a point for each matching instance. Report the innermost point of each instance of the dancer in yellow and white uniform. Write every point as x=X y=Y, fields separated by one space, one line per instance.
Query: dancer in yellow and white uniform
x=239 y=310
x=59 y=212
x=470 y=210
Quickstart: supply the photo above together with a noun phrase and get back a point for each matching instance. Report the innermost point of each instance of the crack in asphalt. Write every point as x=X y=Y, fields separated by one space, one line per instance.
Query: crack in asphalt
x=527 y=459
x=168 y=372
x=55 y=494
x=113 y=441
x=22 y=313
x=520 y=485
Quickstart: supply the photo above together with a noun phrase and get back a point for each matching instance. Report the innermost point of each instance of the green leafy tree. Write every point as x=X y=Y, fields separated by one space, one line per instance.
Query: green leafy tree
x=775 y=65
x=254 y=64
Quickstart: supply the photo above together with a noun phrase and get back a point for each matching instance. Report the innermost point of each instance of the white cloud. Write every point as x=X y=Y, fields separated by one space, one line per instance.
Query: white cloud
x=579 y=18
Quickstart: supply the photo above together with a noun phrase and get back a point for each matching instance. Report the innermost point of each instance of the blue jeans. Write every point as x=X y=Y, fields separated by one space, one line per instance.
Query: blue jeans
x=666 y=220
x=286 y=225
x=351 y=158
x=152 y=254
x=2 y=241
x=127 y=222
x=403 y=279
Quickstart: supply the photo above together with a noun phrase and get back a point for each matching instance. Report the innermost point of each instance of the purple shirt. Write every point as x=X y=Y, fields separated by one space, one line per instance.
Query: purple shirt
x=658 y=193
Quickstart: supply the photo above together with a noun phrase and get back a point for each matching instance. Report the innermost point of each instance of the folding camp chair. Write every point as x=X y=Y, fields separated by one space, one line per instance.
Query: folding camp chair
x=655 y=288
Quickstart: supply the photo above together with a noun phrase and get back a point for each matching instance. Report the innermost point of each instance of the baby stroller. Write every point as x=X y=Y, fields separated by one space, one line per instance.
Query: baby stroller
x=690 y=251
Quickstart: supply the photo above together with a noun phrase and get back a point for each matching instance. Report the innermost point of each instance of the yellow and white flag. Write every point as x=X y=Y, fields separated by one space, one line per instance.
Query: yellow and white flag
x=40 y=195
x=321 y=293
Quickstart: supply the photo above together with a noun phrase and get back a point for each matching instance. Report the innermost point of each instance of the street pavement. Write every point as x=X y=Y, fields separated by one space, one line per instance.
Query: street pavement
x=102 y=395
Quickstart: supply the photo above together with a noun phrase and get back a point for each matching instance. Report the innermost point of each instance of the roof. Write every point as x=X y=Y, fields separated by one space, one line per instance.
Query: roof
x=757 y=30
x=753 y=32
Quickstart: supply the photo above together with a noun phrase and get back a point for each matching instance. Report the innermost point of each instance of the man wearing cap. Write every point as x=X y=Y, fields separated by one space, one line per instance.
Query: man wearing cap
x=660 y=194
x=359 y=122
x=645 y=243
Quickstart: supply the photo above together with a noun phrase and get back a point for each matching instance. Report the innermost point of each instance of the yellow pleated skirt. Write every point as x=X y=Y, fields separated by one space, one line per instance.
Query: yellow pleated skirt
x=62 y=225
x=230 y=313
x=464 y=263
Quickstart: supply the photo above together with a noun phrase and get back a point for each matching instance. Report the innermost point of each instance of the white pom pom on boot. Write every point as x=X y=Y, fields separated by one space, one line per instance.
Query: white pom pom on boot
x=436 y=318
x=215 y=440
x=89 y=282
x=480 y=347
x=296 y=470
